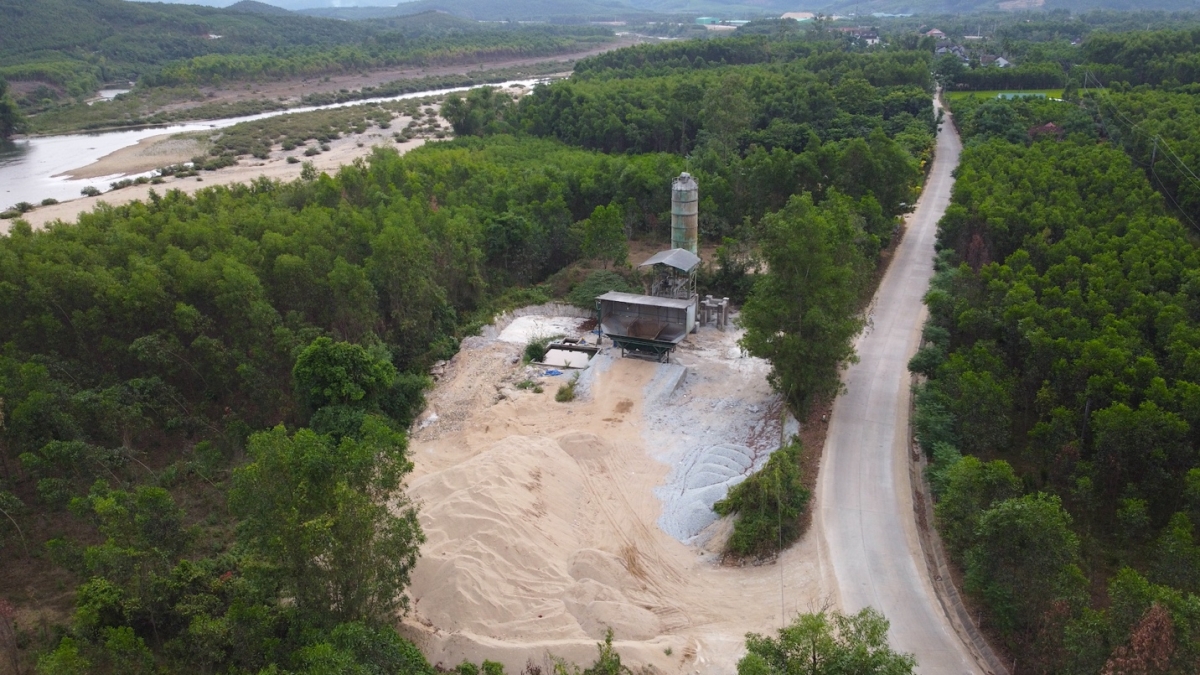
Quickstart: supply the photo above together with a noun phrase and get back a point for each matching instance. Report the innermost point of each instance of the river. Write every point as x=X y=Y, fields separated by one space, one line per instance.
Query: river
x=31 y=168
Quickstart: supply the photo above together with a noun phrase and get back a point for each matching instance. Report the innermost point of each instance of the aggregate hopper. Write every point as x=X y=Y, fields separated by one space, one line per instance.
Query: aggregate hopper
x=645 y=325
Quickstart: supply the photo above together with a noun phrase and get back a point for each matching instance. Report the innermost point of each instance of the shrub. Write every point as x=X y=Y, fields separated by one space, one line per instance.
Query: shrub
x=566 y=392
x=293 y=160
x=769 y=504
x=90 y=191
x=49 y=201
x=945 y=456
x=598 y=283
x=23 y=207
x=968 y=487
x=535 y=351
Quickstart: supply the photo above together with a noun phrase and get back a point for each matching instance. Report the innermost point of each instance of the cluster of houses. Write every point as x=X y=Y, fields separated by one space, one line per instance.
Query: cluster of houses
x=867 y=35
x=944 y=47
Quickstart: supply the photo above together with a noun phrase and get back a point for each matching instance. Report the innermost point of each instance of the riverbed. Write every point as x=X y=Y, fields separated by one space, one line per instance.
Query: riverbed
x=34 y=169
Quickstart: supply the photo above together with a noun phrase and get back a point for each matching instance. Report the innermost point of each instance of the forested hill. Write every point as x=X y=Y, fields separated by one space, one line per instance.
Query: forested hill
x=119 y=32
x=254 y=7
x=958 y=7
x=152 y=353
x=1061 y=412
x=71 y=47
x=483 y=10
x=76 y=45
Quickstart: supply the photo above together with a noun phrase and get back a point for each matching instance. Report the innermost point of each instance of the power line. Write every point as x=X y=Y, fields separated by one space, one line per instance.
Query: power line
x=1135 y=127
x=1182 y=212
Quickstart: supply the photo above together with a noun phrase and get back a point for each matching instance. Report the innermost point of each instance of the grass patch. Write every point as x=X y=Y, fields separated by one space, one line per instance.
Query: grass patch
x=769 y=504
x=566 y=392
x=959 y=95
x=530 y=385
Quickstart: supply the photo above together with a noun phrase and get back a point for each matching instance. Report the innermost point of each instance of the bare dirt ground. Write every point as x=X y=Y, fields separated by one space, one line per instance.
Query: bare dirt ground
x=548 y=522
x=292 y=89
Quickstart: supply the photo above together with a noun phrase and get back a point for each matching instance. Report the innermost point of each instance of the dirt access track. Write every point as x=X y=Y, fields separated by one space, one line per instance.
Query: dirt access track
x=548 y=523
x=293 y=89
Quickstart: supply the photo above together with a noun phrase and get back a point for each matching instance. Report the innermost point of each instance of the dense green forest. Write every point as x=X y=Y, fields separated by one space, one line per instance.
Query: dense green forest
x=71 y=47
x=176 y=374
x=840 y=121
x=1157 y=129
x=1060 y=407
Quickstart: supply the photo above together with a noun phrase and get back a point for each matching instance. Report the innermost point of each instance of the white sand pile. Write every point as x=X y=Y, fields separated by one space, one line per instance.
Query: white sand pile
x=490 y=522
x=543 y=521
x=524 y=329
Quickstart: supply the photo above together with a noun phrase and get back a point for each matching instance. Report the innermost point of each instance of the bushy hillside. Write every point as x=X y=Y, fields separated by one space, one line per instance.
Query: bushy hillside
x=59 y=50
x=77 y=45
x=253 y=7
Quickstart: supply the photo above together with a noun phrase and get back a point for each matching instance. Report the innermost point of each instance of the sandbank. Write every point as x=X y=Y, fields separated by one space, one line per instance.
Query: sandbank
x=342 y=151
x=148 y=154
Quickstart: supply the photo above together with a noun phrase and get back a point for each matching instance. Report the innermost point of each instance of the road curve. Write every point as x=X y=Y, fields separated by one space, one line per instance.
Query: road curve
x=864 y=494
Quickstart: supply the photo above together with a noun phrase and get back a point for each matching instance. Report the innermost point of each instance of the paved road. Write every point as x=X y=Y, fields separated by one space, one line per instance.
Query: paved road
x=864 y=493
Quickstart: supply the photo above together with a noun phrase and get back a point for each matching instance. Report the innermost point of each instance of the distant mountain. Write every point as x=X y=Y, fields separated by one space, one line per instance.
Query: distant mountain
x=527 y=10
x=290 y=5
x=543 y=10
x=488 y=10
x=927 y=7
x=401 y=18
x=254 y=7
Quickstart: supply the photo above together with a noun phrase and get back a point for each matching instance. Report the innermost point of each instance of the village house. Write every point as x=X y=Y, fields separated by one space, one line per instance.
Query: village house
x=867 y=35
x=947 y=47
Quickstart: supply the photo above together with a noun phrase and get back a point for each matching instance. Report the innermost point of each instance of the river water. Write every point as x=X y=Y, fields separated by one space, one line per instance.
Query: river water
x=31 y=168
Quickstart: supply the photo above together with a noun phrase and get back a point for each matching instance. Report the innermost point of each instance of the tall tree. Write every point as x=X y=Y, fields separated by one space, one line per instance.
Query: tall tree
x=827 y=644
x=802 y=313
x=1024 y=558
x=329 y=517
x=10 y=115
x=602 y=235
x=339 y=373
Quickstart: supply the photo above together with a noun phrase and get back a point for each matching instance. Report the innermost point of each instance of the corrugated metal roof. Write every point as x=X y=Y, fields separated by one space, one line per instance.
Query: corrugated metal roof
x=650 y=300
x=679 y=258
